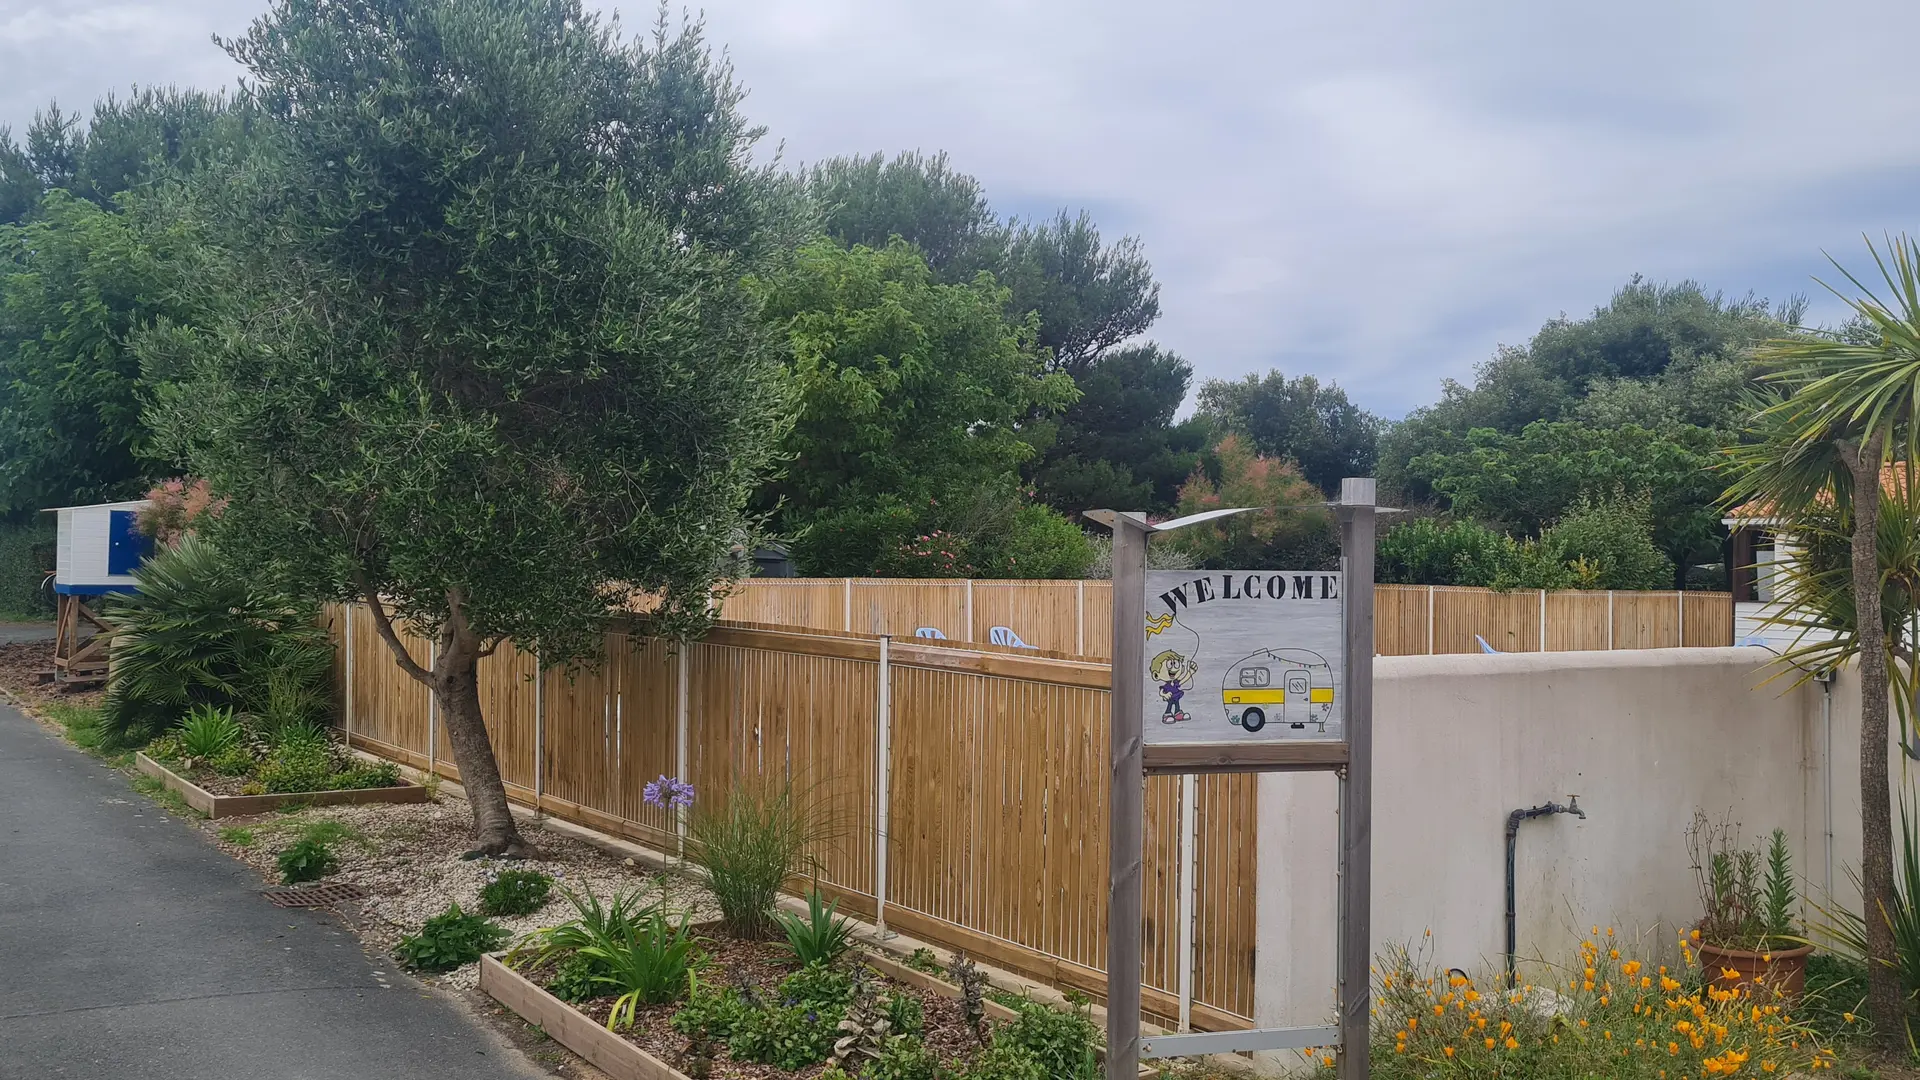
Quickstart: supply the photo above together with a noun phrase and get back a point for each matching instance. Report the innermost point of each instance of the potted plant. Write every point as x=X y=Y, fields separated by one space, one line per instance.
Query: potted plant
x=1745 y=936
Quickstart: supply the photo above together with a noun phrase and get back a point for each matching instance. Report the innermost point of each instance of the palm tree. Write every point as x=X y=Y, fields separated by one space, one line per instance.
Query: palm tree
x=1842 y=408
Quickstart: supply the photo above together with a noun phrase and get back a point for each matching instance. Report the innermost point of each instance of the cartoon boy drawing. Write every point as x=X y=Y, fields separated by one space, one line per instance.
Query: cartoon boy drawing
x=1175 y=675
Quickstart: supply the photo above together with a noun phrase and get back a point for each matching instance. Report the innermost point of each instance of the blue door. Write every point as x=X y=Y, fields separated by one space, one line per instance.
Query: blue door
x=127 y=546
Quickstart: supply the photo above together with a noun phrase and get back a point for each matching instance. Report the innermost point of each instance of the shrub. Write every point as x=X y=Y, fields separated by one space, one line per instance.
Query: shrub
x=298 y=766
x=168 y=748
x=1428 y=551
x=449 y=940
x=515 y=892
x=1618 y=1017
x=305 y=860
x=1609 y=545
x=905 y=1058
x=198 y=632
x=648 y=967
x=1061 y=1041
x=1743 y=907
x=820 y=938
x=209 y=731
x=749 y=845
x=788 y=1036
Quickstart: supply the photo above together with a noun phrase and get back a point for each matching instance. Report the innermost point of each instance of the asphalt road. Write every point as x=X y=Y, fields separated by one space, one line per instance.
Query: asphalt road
x=131 y=947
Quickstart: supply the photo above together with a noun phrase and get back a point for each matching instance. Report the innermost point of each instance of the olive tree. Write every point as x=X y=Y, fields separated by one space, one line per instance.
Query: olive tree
x=481 y=347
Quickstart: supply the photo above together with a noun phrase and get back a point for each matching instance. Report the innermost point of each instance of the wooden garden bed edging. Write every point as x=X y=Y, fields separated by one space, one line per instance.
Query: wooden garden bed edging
x=570 y=1027
x=219 y=806
x=901 y=973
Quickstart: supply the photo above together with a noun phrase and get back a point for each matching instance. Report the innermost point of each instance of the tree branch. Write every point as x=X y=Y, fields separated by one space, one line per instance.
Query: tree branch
x=383 y=625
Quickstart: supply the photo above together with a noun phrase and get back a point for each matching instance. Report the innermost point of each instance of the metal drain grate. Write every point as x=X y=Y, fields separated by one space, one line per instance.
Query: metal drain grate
x=314 y=895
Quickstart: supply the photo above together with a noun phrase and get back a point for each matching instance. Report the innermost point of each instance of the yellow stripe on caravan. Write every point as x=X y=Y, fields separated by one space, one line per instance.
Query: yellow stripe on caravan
x=1320 y=694
x=1254 y=697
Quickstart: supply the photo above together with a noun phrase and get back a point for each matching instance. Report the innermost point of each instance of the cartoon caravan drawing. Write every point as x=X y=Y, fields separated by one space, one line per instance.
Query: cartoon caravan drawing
x=1290 y=686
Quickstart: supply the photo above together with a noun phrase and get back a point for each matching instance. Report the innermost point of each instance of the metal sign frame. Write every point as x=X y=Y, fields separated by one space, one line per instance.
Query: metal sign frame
x=1351 y=758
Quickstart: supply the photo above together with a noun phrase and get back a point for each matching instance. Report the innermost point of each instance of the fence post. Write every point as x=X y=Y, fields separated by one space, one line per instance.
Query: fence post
x=433 y=716
x=1543 y=620
x=1189 y=830
x=539 y=732
x=1080 y=618
x=346 y=706
x=1609 y=620
x=882 y=795
x=969 y=609
x=681 y=660
x=1680 y=598
x=847 y=586
x=1430 y=645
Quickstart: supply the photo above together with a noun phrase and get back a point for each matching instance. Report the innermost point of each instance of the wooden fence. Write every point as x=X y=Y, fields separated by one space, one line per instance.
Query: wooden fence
x=969 y=786
x=1075 y=617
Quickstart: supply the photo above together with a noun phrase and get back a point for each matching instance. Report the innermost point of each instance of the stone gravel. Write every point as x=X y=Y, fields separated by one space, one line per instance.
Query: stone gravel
x=407 y=858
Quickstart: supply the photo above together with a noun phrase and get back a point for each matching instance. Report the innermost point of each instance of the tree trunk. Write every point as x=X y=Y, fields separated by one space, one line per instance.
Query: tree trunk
x=1885 y=1002
x=456 y=690
x=455 y=682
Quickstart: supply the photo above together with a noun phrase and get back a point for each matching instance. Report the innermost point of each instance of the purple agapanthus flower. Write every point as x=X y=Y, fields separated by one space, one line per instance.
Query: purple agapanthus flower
x=668 y=793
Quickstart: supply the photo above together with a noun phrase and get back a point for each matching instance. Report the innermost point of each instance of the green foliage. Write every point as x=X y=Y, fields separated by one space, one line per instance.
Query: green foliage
x=1547 y=471
x=198 y=633
x=365 y=775
x=710 y=1012
x=820 y=938
x=1847 y=930
x=1061 y=1041
x=449 y=940
x=209 y=731
x=1291 y=530
x=817 y=985
x=787 y=1036
x=1432 y=551
x=26 y=557
x=596 y=924
x=75 y=282
x=235 y=760
x=578 y=978
x=867 y=201
x=577 y=339
x=1003 y=1062
x=305 y=859
x=905 y=1058
x=238 y=835
x=298 y=766
x=1119 y=445
x=649 y=966
x=515 y=892
x=904 y=1012
x=922 y=959
x=912 y=393
x=750 y=843
x=1748 y=899
x=1608 y=545
x=86 y=727
x=1299 y=420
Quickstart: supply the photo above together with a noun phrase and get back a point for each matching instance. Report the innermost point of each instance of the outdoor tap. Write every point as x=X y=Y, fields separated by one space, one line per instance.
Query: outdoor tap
x=1573 y=807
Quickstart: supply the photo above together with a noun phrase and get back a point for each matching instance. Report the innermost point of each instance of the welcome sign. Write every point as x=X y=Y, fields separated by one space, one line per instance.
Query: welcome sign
x=1243 y=655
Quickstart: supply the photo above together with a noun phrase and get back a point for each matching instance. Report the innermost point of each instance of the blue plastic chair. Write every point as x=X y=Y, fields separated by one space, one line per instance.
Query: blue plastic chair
x=1484 y=647
x=930 y=632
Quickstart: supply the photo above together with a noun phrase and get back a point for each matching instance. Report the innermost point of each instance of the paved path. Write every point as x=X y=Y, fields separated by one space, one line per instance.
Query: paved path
x=130 y=947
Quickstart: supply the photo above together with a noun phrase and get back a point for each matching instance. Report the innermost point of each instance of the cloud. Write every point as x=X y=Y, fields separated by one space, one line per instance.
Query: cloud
x=1379 y=191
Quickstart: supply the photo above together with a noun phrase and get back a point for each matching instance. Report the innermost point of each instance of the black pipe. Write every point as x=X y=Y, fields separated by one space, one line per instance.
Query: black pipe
x=1513 y=841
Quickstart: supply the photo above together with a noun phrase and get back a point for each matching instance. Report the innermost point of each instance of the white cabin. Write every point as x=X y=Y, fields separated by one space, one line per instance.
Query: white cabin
x=99 y=547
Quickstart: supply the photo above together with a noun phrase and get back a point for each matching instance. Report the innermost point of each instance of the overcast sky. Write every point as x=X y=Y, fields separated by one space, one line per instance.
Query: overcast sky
x=1375 y=192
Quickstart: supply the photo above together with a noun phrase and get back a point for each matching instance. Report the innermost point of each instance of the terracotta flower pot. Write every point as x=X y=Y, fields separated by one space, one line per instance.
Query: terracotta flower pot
x=1784 y=970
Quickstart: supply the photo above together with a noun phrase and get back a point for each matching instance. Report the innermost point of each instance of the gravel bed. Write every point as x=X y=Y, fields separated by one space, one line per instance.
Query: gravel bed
x=407 y=857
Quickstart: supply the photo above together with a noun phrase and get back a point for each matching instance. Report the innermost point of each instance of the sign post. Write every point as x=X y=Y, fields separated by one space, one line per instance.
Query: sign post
x=1240 y=671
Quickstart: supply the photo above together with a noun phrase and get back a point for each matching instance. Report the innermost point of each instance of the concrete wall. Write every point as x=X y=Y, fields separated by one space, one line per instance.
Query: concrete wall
x=1643 y=737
